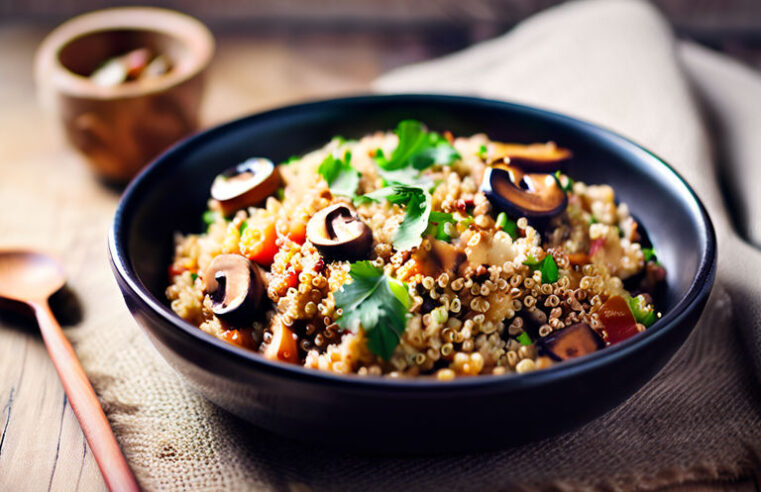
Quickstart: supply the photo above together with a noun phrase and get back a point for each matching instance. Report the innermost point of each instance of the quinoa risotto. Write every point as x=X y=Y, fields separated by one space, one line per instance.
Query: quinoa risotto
x=413 y=253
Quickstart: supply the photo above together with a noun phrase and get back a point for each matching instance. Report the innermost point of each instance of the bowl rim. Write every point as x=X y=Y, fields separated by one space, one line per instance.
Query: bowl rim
x=183 y=27
x=699 y=289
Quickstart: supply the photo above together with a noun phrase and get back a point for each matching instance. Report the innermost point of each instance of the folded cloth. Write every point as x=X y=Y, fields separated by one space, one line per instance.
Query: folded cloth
x=611 y=62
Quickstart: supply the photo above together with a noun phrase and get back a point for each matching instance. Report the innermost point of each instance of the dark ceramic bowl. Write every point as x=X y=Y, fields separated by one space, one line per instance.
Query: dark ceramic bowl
x=416 y=415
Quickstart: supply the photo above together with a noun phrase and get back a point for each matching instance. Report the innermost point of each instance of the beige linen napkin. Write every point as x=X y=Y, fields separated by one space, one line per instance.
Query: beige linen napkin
x=611 y=62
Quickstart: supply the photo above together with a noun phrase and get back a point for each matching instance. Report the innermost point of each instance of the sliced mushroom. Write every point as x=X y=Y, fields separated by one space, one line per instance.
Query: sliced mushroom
x=246 y=184
x=574 y=341
x=519 y=194
x=337 y=232
x=538 y=157
x=443 y=257
x=235 y=288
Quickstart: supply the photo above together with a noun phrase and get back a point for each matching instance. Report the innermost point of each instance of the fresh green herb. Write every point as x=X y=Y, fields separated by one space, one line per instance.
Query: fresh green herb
x=194 y=276
x=417 y=210
x=436 y=222
x=338 y=139
x=209 y=217
x=290 y=160
x=280 y=193
x=643 y=312
x=417 y=203
x=592 y=220
x=568 y=187
x=408 y=176
x=466 y=221
x=524 y=339
x=243 y=226
x=507 y=224
x=378 y=304
x=547 y=266
x=341 y=177
x=649 y=254
x=417 y=148
x=482 y=152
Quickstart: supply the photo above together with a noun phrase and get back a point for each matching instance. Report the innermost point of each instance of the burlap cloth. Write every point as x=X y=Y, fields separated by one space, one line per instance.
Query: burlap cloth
x=614 y=63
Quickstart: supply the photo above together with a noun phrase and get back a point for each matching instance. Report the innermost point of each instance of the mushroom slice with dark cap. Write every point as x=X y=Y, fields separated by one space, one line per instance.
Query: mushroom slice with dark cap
x=574 y=341
x=538 y=157
x=519 y=194
x=235 y=288
x=246 y=184
x=337 y=232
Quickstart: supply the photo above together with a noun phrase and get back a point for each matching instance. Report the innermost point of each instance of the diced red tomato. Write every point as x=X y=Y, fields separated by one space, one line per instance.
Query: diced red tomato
x=176 y=270
x=596 y=245
x=283 y=346
x=578 y=258
x=263 y=246
x=295 y=230
x=617 y=319
x=241 y=338
x=291 y=277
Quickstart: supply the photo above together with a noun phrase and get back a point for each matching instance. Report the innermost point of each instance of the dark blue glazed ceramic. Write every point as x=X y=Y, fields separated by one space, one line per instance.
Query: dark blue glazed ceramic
x=422 y=415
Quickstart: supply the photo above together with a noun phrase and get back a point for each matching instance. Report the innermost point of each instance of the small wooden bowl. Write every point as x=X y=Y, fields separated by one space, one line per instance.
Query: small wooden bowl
x=121 y=128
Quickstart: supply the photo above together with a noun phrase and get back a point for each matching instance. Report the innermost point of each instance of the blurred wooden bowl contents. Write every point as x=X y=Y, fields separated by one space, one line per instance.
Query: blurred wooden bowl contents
x=125 y=82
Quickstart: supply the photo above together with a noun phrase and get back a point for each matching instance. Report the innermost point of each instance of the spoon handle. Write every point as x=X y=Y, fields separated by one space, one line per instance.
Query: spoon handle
x=105 y=449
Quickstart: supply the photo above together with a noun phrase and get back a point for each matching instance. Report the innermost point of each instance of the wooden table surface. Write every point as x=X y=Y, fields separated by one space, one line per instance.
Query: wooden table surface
x=50 y=201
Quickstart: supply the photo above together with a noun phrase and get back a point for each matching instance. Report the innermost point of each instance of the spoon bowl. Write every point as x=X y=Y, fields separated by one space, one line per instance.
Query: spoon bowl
x=29 y=276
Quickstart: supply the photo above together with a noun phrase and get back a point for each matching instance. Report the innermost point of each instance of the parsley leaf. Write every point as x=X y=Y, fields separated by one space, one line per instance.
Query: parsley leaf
x=643 y=312
x=378 y=304
x=209 y=217
x=524 y=339
x=569 y=184
x=290 y=160
x=417 y=211
x=649 y=254
x=547 y=266
x=341 y=177
x=482 y=152
x=436 y=221
x=407 y=176
x=417 y=203
x=417 y=148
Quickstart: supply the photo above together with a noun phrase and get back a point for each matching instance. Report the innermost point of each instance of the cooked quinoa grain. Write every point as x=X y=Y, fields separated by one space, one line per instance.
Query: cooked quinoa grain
x=375 y=264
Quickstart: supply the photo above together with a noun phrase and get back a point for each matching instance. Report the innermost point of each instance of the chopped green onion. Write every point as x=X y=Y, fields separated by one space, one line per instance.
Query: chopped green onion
x=649 y=254
x=569 y=184
x=502 y=220
x=482 y=151
x=524 y=339
x=243 y=226
x=209 y=217
x=547 y=266
x=507 y=224
x=643 y=312
x=280 y=193
x=194 y=276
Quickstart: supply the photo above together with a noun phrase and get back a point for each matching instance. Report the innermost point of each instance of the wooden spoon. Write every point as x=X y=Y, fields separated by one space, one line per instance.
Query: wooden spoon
x=31 y=278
